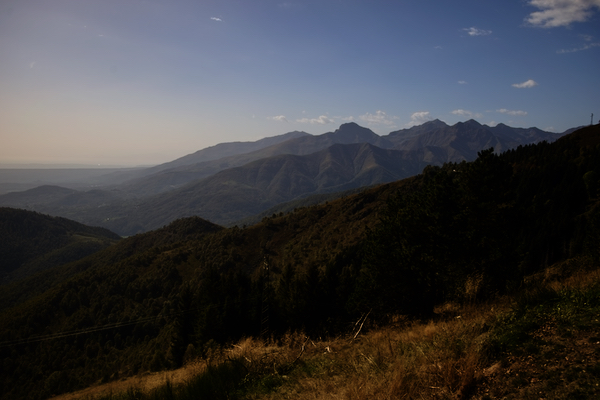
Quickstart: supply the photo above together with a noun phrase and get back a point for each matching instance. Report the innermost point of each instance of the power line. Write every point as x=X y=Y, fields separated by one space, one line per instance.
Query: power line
x=264 y=318
x=60 y=335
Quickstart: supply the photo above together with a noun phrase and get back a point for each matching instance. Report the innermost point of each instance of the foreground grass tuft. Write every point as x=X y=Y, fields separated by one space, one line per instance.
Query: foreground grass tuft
x=549 y=343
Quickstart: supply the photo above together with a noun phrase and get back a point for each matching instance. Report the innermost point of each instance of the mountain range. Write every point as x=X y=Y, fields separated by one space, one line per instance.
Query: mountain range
x=229 y=182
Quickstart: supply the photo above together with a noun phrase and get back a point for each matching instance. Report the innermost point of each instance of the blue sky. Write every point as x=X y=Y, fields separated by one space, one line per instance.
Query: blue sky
x=147 y=81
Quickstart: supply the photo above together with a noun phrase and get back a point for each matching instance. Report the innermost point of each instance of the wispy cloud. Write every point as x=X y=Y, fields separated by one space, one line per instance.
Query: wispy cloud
x=462 y=82
x=280 y=118
x=512 y=112
x=322 y=120
x=380 y=117
x=466 y=113
x=555 y=13
x=419 y=117
x=216 y=19
x=586 y=46
x=472 y=31
x=525 y=85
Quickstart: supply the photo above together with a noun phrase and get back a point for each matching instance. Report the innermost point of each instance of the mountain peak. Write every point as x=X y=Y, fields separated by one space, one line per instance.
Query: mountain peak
x=469 y=124
x=350 y=124
x=351 y=132
x=434 y=123
x=351 y=127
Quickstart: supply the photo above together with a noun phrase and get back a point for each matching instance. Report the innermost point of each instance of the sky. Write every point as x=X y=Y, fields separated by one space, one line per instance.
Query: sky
x=142 y=82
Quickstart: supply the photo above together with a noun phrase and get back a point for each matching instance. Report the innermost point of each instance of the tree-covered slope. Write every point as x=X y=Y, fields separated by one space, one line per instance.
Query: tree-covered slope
x=182 y=230
x=31 y=242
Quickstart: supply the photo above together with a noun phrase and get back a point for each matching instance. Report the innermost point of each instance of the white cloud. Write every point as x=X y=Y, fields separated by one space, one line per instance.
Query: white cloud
x=556 y=13
x=466 y=113
x=462 y=82
x=419 y=118
x=216 y=19
x=586 y=46
x=380 y=117
x=525 y=85
x=512 y=112
x=472 y=31
x=322 y=120
x=280 y=118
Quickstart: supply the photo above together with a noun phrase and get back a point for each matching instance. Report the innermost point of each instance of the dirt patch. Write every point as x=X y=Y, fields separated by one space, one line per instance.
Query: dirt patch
x=557 y=365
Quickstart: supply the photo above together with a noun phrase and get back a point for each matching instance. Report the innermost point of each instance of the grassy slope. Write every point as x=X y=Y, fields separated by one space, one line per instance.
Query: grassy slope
x=542 y=342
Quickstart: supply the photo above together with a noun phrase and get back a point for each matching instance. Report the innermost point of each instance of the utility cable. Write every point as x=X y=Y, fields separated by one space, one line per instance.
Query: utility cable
x=76 y=332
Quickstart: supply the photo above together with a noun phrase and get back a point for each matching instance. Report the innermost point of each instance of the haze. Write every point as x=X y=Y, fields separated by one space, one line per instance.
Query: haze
x=145 y=82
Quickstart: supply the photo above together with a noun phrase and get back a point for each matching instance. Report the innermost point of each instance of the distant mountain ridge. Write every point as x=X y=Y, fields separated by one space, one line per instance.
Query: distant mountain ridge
x=288 y=167
x=237 y=193
x=458 y=142
x=223 y=150
x=463 y=140
x=183 y=170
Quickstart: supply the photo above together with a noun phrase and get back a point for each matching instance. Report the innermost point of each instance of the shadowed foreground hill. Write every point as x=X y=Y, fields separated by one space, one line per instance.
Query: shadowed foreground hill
x=19 y=291
x=31 y=242
x=461 y=232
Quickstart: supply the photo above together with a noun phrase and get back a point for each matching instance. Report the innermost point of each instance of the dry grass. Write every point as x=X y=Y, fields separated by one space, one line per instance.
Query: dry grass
x=445 y=358
x=145 y=382
x=422 y=360
x=574 y=273
x=440 y=359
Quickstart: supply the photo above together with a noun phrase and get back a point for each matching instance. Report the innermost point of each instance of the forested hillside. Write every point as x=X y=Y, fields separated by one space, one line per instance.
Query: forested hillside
x=188 y=229
x=460 y=232
x=31 y=242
